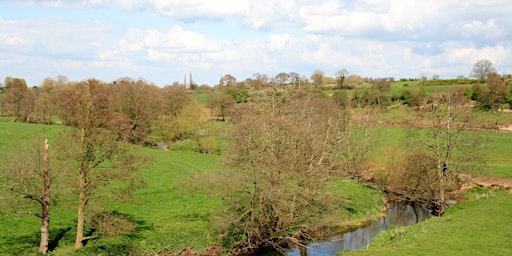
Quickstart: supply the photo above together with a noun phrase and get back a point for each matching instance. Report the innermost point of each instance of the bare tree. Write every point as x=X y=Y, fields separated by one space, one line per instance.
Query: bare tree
x=140 y=103
x=94 y=151
x=441 y=152
x=283 y=151
x=340 y=78
x=26 y=180
x=482 y=69
x=317 y=77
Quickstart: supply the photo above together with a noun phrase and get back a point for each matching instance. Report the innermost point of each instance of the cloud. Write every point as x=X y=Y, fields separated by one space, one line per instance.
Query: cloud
x=154 y=45
x=165 y=38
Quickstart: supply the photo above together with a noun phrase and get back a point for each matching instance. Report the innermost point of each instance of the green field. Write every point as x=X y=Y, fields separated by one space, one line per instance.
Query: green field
x=168 y=218
x=172 y=217
x=498 y=154
x=479 y=226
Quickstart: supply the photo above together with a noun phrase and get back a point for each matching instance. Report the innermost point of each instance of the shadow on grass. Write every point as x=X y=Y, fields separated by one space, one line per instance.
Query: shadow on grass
x=54 y=240
x=118 y=244
x=20 y=245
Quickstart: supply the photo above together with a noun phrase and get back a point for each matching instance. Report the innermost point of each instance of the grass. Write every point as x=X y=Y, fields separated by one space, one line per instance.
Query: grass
x=362 y=200
x=168 y=219
x=497 y=155
x=201 y=98
x=476 y=227
x=171 y=219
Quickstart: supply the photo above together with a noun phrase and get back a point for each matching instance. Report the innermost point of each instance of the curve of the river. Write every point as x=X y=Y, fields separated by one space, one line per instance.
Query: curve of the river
x=396 y=214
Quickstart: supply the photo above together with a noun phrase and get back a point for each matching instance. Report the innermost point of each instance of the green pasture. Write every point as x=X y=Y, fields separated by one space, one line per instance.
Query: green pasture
x=498 y=154
x=169 y=215
x=168 y=218
x=201 y=98
x=479 y=226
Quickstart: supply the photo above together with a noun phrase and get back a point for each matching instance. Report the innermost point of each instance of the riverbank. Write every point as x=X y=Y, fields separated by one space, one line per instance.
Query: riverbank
x=479 y=226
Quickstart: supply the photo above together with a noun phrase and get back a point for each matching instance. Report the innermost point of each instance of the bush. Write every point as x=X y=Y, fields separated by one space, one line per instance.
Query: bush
x=209 y=145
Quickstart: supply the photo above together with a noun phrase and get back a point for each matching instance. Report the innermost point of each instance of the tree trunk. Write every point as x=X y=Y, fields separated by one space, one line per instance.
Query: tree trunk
x=45 y=204
x=81 y=214
x=45 y=223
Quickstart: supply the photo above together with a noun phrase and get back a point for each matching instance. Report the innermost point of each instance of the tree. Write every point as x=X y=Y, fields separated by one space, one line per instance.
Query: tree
x=438 y=154
x=26 y=180
x=482 y=69
x=259 y=80
x=186 y=124
x=282 y=153
x=296 y=79
x=95 y=156
x=317 y=77
x=353 y=80
x=494 y=95
x=222 y=103
x=18 y=99
x=282 y=78
x=340 y=78
x=382 y=84
x=174 y=99
x=227 y=80
x=140 y=104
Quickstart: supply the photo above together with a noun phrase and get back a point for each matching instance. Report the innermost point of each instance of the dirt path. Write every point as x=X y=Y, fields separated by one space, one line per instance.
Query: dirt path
x=487 y=182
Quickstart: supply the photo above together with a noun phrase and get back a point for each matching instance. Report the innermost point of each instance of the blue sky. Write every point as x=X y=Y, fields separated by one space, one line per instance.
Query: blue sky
x=164 y=40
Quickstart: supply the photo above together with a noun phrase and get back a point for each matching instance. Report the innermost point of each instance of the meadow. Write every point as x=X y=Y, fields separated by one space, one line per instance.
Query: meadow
x=169 y=216
x=479 y=226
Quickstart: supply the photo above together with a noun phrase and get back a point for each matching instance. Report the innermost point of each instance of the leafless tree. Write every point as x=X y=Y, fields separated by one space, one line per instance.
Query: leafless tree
x=93 y=151
x=317 y=77
x=283 y=151
x=26 y=179
x=438 y=154
x=482 y=69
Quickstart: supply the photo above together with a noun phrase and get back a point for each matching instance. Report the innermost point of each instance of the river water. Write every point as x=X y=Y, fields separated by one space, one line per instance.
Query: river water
x=396 y=214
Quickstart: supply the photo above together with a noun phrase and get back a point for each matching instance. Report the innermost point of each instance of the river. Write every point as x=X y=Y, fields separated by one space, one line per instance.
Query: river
x=396 y=214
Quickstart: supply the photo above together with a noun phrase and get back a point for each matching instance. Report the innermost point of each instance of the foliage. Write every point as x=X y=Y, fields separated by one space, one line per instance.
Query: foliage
x=185 y=125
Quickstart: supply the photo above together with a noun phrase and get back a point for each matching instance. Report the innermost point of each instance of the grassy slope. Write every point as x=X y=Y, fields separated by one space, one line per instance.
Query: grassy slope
x=476 y=227
x=168 y=218
x=479 y=226
x=497 y=155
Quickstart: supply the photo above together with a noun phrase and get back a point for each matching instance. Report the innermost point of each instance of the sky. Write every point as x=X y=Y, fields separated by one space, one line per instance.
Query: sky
x=162 y=41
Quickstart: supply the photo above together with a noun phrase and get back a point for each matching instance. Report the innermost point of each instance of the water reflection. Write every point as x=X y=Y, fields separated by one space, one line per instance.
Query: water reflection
x=396 y=214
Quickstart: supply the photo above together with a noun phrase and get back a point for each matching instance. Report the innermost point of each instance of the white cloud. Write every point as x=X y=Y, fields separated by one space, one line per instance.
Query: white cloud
x=497 y=54
x=165 y=46
x=15 y=41
x=155 y=55
x=278 y=42
x=158 y=37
